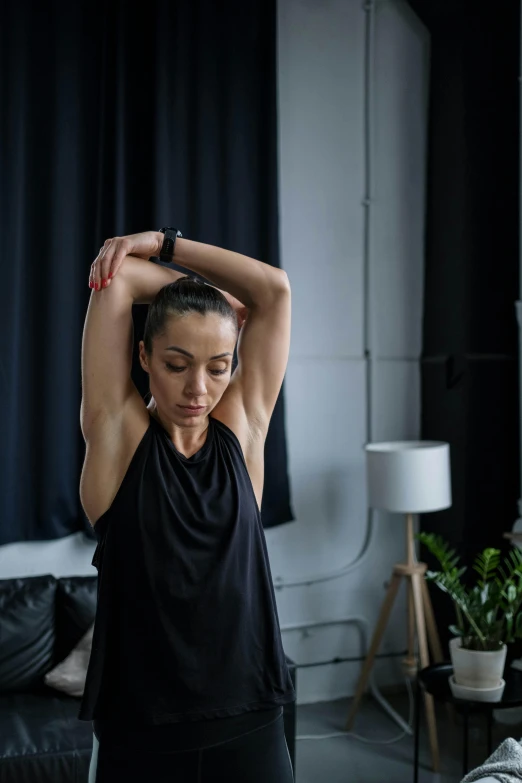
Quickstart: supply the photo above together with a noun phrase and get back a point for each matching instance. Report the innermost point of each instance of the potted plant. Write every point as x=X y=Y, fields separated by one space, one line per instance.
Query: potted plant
x=487 y=613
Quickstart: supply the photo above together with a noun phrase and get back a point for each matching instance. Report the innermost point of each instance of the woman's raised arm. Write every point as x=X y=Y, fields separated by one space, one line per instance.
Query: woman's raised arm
x=249 y=281
x=108 y=335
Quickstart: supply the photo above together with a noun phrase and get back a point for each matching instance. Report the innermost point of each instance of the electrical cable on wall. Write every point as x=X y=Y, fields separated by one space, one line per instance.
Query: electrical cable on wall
x=279 y=582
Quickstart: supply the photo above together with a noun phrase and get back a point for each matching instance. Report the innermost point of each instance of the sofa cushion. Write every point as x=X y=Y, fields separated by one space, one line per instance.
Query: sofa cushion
x=75 y=611
x=42 y=739
x=27 y=634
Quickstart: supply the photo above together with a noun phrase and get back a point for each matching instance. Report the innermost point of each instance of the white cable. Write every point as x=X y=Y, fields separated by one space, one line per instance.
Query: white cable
x=305 y=581
x=363 y=625
x=279 y=582
x=359 y=738
x=367 y=201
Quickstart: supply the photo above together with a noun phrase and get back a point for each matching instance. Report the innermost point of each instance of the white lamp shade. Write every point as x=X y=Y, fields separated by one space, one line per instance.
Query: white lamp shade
x=409 y=477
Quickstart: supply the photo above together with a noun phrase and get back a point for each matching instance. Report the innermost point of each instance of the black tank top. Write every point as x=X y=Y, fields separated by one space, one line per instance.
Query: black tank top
x=186 y=624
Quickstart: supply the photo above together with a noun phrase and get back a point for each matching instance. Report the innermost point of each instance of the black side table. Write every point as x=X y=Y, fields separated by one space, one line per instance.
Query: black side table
x=435 y=680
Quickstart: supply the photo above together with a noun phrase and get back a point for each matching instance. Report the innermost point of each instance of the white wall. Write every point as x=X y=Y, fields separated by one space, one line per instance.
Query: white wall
x=353 y=374
x=348 y=304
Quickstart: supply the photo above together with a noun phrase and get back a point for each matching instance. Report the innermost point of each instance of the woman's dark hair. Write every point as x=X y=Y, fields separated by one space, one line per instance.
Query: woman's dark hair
x=184 y=296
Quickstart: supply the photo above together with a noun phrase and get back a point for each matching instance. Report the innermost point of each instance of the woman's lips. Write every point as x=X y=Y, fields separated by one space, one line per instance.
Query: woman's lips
x=192 y=410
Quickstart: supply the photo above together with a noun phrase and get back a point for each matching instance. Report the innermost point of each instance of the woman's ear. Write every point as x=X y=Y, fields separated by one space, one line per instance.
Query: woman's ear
x=144 y=359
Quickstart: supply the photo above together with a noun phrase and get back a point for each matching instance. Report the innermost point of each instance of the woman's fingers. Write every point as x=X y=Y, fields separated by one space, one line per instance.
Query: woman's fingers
x=112 y=254
x=121 y=249
x=100 y=269
x=95 y=277
x=105 y=261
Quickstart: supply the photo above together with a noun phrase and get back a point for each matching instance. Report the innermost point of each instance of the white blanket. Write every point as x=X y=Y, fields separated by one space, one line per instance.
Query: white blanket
x=503 y=766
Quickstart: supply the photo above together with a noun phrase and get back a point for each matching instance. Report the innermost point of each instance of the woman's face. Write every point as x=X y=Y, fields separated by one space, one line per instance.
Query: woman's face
x=190 y=365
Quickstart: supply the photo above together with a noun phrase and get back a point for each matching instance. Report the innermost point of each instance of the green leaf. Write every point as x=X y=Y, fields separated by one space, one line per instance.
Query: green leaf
x=489 y=611
x=456 y=631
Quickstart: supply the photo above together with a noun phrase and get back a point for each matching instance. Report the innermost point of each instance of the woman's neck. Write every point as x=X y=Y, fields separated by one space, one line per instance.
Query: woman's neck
x=187 y=440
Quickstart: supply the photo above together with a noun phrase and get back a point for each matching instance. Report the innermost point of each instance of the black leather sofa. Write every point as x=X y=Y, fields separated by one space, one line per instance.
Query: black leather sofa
x=41 y=740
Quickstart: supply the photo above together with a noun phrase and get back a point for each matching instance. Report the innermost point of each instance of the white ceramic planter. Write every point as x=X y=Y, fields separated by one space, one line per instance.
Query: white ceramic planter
x=477 y=694
x=475 y=669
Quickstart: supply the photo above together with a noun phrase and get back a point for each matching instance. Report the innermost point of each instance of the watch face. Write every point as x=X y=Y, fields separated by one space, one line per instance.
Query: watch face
x=176 y=231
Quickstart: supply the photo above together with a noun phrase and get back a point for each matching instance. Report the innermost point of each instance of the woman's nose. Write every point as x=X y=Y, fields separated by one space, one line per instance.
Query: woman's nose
x=197 y=386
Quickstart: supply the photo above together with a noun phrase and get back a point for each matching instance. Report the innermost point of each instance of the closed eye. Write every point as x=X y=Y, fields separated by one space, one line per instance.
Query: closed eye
x=171 y=368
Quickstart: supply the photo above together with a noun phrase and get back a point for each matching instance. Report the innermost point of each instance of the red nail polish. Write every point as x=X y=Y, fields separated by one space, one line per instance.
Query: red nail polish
x=110 y=275
x=91 y=285
x=97 y=286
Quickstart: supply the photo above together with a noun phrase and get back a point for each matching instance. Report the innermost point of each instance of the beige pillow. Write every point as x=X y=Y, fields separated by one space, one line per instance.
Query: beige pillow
x=69 y=675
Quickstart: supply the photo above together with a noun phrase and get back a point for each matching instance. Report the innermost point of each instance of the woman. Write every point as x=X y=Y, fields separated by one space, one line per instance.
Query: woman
x=187 y=675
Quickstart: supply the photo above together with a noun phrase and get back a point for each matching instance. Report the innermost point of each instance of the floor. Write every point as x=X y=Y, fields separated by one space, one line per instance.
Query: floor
x=348 y=760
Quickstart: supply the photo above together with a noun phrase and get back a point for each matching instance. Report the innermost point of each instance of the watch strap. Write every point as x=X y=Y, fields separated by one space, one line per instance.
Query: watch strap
x=169 y=241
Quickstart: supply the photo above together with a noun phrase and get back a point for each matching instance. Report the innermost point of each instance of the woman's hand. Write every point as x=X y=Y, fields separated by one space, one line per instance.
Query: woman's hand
x=242 y=314
x=239 y=308
x=109 y=259
x=142 y=245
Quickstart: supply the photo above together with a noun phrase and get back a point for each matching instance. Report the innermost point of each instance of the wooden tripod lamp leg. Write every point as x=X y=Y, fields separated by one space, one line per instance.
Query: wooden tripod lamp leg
x=374 y=646
x=410 y=662
x=431 y=625
x=417 y=578
x=434 y=639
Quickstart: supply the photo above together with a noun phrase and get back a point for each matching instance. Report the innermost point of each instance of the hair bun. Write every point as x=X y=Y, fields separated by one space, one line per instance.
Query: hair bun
x=176 y=299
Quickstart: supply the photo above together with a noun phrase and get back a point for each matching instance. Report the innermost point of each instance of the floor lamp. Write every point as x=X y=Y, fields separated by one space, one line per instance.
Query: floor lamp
x=408 y=477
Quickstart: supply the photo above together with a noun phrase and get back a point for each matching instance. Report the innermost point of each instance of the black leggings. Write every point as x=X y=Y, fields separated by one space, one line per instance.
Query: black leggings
x=257 y=756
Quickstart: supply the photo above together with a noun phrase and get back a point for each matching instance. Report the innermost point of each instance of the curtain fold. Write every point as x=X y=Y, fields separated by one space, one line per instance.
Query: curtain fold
x=117 y=118
x=469 y=366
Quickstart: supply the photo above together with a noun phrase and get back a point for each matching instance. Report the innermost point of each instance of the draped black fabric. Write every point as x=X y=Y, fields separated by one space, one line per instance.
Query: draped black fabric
x=117 y=118
x=184 y=537
x=469 y=369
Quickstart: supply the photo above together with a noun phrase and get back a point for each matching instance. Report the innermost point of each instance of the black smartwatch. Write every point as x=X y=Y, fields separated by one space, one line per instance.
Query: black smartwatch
x=169 y=243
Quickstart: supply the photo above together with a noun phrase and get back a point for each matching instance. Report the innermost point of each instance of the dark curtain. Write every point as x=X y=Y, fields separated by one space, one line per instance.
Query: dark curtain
x=117 y=118
x=469 y=369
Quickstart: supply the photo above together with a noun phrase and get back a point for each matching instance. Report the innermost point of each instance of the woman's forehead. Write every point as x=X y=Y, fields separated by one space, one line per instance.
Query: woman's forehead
x=203 y=336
